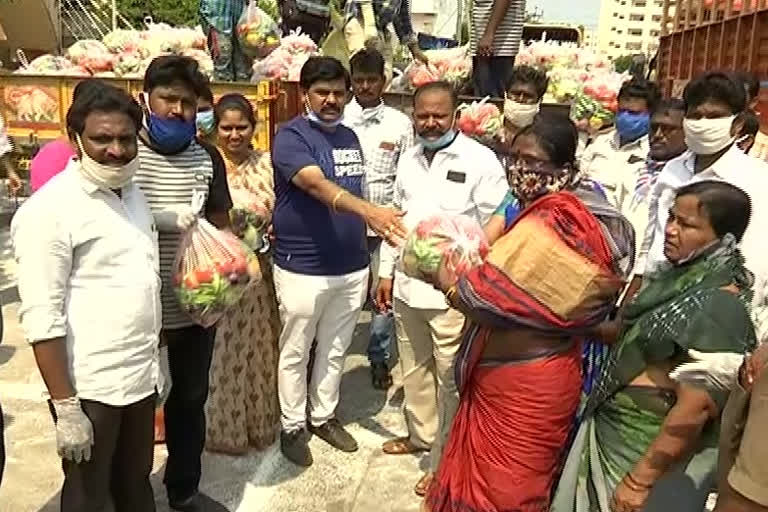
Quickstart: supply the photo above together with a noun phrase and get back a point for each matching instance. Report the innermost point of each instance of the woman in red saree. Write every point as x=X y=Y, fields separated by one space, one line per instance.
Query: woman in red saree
x=555 y=274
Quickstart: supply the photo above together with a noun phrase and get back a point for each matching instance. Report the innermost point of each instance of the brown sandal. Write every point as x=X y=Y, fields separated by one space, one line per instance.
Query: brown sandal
x=401 y=446
x=423 y=486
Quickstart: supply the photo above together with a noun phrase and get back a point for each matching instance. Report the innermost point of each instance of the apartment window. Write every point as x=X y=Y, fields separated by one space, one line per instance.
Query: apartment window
x=656 y=18
x=619 y=31
x=613 y=29
x=638 y=3
x=635 y=31
x=615 y=14
x=634 y=46
x=655 y=33
x=636 y=17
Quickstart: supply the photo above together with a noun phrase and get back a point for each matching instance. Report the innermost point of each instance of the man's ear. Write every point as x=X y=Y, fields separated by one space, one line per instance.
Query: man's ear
x=73 y=142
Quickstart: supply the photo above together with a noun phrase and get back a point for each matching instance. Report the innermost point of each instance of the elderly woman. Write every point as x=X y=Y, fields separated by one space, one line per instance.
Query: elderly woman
x=242 y=409
x=646 y=442
x=555 y=272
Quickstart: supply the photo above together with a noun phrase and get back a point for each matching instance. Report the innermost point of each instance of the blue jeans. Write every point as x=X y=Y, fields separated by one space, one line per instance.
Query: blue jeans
x=382 y=324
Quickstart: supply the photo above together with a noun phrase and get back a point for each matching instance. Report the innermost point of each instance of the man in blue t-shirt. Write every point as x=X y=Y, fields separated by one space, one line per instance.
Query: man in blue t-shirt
x=321 y=255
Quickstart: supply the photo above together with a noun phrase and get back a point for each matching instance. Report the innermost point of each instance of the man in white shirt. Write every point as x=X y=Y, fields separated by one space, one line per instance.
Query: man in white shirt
x=712 y=103
x=384 y=133
x=666 y=142
x=444 y=173
x=86 y=247
x=618 y=152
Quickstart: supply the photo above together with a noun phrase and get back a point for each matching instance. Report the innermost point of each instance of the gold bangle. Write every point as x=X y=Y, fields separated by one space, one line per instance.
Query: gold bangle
x=336 y=200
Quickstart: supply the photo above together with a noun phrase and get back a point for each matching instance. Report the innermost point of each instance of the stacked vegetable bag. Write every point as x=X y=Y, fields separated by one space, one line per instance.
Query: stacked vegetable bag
x=596 y=104
x=481 y=120
x=125 y=53
x=257 y=32
x=213 y=270
x=452 y=65
x=285 y=62
x=442 y=248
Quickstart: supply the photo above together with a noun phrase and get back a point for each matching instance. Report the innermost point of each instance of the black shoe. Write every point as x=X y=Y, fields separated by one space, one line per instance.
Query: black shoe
x=334 y=434
x=380 y=375
x=198 y=502
x=294 y=447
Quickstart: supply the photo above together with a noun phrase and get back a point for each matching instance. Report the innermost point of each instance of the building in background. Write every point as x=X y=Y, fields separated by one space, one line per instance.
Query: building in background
x=629 y=27
x=438 y=17
x=590 y=38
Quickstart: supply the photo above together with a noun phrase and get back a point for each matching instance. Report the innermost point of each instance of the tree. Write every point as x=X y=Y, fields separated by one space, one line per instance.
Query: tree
x=623 y=63
x=173 y=12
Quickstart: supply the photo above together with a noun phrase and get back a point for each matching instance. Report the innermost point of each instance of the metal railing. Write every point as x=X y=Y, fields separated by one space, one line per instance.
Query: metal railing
x=90 y=19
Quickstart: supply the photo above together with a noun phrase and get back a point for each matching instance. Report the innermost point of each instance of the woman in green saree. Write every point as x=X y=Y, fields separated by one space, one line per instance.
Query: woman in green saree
x=647 y=443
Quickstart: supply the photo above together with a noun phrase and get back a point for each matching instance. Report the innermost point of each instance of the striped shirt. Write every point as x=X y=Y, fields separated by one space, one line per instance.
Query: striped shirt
x=384 y=134
x=169 y=180
x=506 y=41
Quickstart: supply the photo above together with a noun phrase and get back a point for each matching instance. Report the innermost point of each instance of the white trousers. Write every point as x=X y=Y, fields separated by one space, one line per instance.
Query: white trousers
x=322 y=308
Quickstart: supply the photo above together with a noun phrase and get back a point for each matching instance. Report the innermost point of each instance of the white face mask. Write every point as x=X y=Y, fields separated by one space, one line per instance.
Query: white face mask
x=106 y=176
x=520 y=114
x=708 y=136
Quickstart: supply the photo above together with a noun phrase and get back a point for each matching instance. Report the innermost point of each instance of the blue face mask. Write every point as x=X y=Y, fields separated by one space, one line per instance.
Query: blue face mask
x=439 y=143
x=325 y=124
x=171 y=134
x=632 y=125
x=205 y=121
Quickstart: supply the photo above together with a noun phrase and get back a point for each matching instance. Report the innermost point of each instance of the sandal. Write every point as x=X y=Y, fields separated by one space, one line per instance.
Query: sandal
x=423 y=486
x=401 y=446
x=381 y=377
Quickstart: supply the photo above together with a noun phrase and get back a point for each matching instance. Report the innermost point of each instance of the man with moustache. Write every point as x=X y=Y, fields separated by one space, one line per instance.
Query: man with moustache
x=444 y=173
x=321 y=255
x=86 y=246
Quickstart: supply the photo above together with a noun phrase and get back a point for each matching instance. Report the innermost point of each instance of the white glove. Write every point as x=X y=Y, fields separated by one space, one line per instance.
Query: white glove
x=715 y=371
x=175 y=219
x=74 y=431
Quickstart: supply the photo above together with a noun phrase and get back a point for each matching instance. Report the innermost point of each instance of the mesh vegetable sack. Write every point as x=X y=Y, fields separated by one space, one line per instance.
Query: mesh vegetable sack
x=212 y=270
x=442 y=248
x=481 y=120
x=90 y=54
x=257 y=32
x=249 y=217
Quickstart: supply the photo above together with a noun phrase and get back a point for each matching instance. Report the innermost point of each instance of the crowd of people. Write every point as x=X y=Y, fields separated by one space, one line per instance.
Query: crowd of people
x=594 y=361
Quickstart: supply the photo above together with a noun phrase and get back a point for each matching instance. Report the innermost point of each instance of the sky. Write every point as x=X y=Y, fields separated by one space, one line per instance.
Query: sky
x=575 y=11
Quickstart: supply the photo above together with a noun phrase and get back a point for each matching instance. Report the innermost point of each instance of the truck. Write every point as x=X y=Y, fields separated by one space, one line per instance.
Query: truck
x=708 y=35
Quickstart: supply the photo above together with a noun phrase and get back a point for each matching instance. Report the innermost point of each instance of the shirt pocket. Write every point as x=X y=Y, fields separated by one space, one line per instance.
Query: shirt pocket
x=453 y=195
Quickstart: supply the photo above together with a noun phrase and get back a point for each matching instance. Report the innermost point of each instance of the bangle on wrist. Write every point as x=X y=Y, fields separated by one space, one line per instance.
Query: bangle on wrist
x=635 y=484
x=336 y=200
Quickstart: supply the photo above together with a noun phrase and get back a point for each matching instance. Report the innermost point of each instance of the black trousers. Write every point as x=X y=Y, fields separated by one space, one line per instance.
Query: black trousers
x=2 y=445
x=190 y=350
x=491 y=76
x=121 y=460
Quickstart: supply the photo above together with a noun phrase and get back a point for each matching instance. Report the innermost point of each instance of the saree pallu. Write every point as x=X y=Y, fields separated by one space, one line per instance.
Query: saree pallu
x=484 y=468
x=555 y=271
x=611 y=441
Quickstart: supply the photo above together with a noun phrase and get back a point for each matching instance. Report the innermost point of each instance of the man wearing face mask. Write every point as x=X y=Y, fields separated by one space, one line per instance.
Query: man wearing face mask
x=617 y=153
x=667 y=142
x=522 y=101
x=177 y=171
x=385 y=133
x=712 y=103
x=444 y=173
x=86 y=247
x=321 y=256
x=204 y=119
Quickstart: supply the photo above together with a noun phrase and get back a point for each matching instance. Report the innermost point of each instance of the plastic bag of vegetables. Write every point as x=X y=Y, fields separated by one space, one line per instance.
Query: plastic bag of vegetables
x=249 y=216
x=91 y=54
x=442 y=248
x=257 y=31
x=212 y=270
x=481 y=120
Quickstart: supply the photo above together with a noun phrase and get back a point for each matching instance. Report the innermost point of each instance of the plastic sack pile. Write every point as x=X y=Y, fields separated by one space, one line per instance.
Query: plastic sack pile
x=285 y=61
x=124 y=53
x=257 y=32
x=596 y=104
x=568 y=68
x=442 y=248
x=453 y=65
x=212 y=270
x=481 y=120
